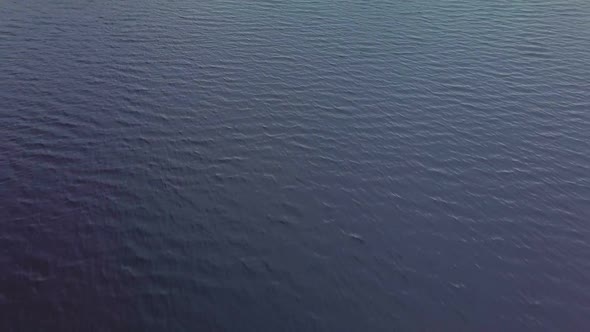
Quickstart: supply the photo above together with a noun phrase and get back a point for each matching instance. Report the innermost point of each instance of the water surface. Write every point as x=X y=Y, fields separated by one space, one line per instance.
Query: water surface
x=305 y=165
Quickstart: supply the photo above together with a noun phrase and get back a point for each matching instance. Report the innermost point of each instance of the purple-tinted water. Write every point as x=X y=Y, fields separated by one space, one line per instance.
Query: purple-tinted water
x=334 y=165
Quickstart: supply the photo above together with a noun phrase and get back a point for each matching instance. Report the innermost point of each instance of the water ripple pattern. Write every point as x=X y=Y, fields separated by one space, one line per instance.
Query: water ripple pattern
x=304 y=165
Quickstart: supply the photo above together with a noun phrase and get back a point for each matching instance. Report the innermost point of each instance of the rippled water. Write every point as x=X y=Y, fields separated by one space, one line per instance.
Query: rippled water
x=304 y=165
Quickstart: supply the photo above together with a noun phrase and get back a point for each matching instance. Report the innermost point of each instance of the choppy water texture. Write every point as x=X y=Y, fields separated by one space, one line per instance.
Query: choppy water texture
x=318 y=165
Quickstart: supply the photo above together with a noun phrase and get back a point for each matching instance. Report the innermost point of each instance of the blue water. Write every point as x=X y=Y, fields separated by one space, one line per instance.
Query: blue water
x=303 y=165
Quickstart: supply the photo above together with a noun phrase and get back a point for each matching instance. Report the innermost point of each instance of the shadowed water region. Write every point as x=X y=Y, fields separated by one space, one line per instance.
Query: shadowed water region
x=303 y=165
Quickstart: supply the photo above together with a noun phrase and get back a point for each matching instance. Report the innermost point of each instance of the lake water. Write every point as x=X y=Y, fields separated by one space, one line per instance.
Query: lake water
x=303 y=165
